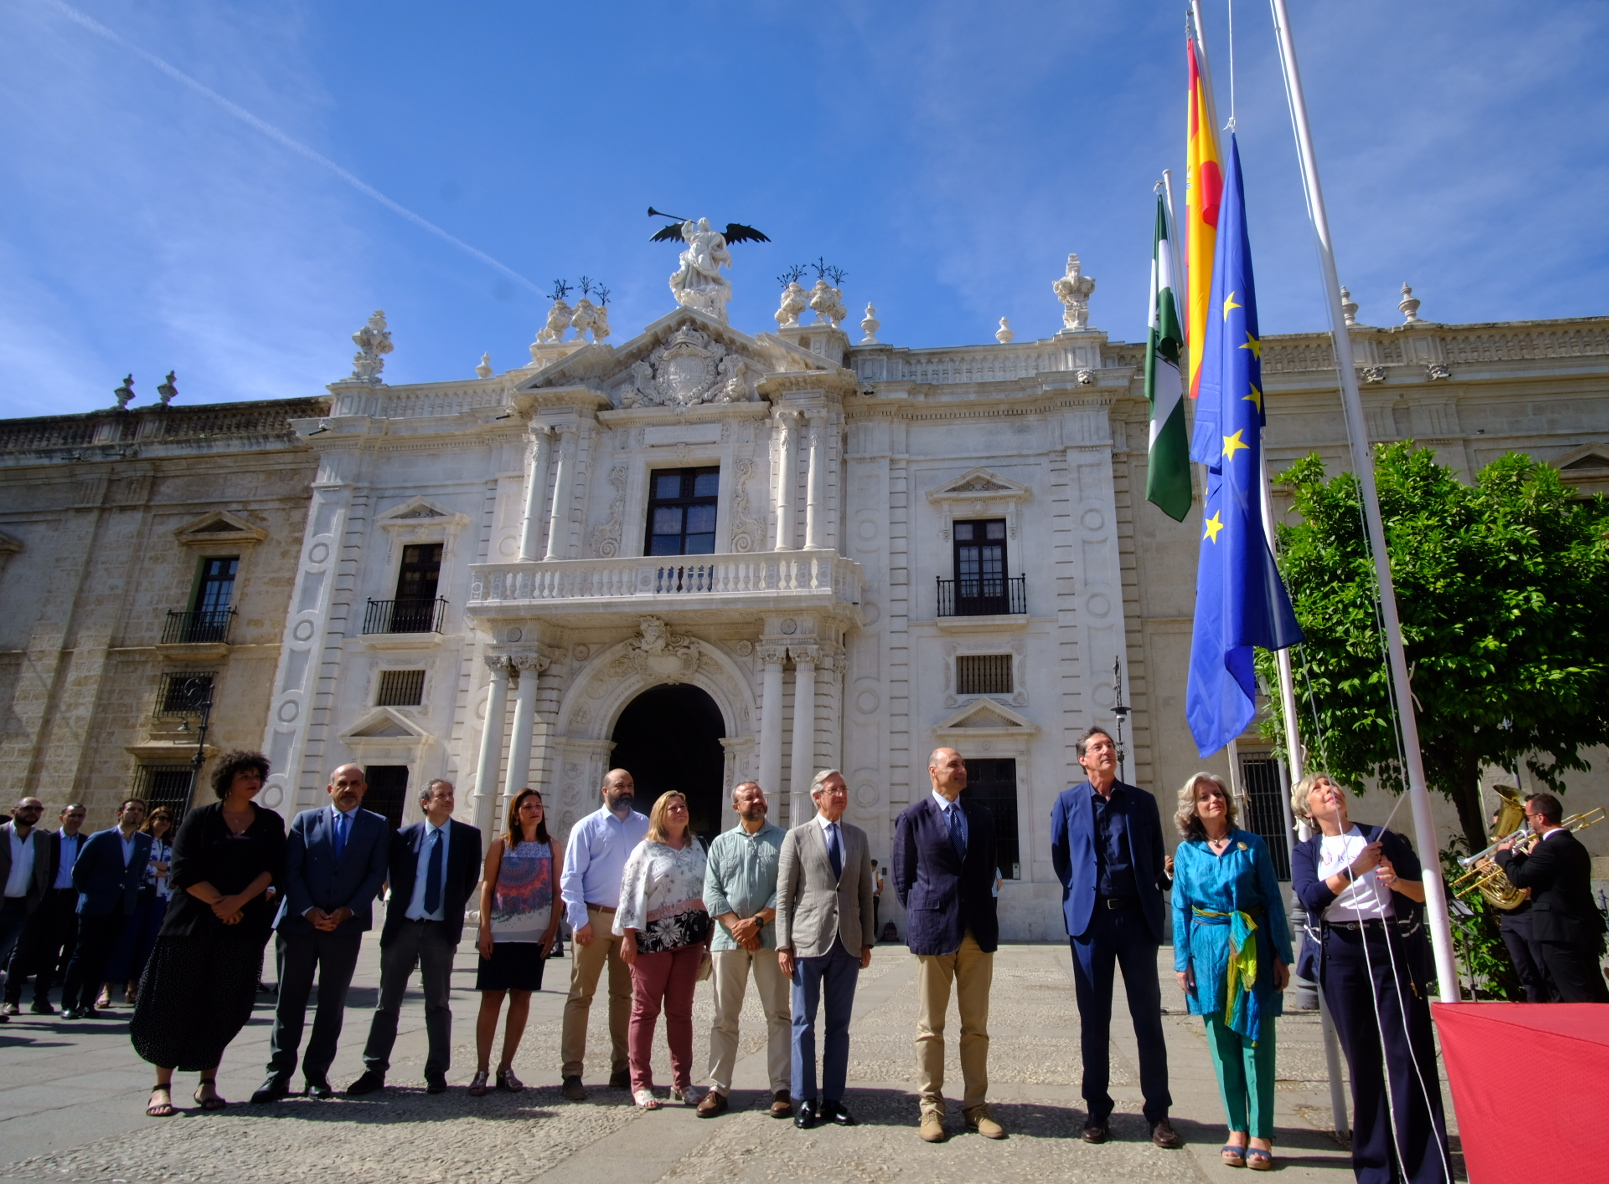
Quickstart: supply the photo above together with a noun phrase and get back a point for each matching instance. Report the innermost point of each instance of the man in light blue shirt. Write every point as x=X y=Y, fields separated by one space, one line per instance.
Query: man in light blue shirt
x=594 y=862
x=740 y=891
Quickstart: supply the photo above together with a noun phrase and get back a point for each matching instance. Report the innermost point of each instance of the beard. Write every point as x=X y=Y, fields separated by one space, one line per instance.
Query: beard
x=624 y=800
x=754 y=813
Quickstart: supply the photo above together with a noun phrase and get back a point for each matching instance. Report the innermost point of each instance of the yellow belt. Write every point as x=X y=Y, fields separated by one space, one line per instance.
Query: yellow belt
x=1241 y=974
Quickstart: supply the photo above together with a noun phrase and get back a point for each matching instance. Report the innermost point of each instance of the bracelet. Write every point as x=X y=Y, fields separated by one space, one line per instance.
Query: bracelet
x=1351 y=877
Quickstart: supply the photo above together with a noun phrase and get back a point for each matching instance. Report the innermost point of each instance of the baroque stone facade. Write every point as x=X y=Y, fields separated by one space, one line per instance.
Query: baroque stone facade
x=485 y=546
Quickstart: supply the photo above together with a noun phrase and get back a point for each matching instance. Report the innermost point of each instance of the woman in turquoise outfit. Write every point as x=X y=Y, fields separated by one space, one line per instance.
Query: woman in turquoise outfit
x=1232 y=952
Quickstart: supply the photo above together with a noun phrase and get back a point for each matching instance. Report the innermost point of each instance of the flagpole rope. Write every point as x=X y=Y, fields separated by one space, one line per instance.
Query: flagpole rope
x=1231 y=126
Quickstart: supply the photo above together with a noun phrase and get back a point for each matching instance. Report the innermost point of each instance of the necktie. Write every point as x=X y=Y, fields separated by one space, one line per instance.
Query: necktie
x=834 y=853
x=340 y=835
x=433 y=875
x=958 y=839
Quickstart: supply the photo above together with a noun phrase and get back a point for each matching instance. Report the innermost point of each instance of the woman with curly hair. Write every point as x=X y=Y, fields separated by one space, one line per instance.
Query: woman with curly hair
x=200 y=982
x=1232 y=953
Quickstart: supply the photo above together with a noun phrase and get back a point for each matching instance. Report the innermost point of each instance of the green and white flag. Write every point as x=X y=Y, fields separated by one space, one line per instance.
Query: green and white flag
x=1167 y=479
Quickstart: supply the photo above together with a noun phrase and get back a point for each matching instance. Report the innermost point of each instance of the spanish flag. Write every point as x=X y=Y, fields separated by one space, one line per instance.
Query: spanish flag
x=1204 y=183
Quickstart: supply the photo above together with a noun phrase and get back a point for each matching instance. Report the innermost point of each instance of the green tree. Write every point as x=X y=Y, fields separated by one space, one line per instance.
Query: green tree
x=1503 y=591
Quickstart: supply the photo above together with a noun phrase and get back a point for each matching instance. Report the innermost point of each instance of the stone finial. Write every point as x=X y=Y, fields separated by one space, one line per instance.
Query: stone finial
x=794 y=302
x=559 y=317
x=484 y=370
x=869 y=325
x=125 y=393
x=1074 y=290
x=1349 y=308
x=166 y=392
x=828 y=303
x=374 y=343
x=1004 y=335
x=1409 y=304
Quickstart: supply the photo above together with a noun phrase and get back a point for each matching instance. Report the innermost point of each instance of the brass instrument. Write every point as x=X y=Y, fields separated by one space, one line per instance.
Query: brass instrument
x=1490 y=880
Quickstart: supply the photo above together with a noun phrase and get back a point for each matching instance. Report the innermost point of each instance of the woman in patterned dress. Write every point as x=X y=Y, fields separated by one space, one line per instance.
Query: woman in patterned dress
x=666 y=933
x=519 y=920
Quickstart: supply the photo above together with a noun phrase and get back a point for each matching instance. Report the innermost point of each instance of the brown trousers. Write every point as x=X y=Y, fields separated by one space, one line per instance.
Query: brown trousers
x=585 y=968
x=972 y=971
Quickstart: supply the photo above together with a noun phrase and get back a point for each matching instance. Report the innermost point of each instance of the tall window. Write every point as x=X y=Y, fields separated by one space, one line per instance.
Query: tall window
x=993 y=783
x=681 y=511
x=420 y=571
x=217 y=586
x=980 y=567
x=388 y=791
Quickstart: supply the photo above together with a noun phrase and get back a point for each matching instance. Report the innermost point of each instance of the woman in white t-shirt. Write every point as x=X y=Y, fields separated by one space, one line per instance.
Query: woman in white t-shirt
x=1360 y=882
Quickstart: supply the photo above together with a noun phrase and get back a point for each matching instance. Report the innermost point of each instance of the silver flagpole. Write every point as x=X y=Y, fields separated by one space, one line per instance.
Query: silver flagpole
x=1441 y=938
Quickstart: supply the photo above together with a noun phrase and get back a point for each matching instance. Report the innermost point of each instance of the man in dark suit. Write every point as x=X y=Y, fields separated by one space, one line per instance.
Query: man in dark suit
x=434 y=866
x=24 y=877
x=944 y=872
x=1565 y=924
x=335 y=862
x=52 y=931
x=108 y=874
x=1106 y=846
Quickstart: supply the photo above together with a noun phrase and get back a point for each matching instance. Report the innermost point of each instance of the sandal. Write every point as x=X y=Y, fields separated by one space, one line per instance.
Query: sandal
x=1234 y=1155
x=477 y=1085
x=507 y=1080
x=212 y=1101
x=645 y=1100
x=156 y=1109
x=1259 y=1160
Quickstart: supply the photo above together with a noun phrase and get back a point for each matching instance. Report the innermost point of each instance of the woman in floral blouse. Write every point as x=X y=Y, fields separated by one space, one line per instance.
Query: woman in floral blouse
x=665 y=933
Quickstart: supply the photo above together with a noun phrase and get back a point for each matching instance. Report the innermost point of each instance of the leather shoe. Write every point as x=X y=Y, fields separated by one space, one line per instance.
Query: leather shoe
x=835 y=1112
x=1095 y=1131
x=1163 y=1135
x=620 y=1080
x=781 y=1105
x=273 y=1089
x=435 y=1083
x=319 y=1088
x=42 y=1007
x=573 y=1090
x=805 y=1116
x=366 y=1084
x=713 y=1105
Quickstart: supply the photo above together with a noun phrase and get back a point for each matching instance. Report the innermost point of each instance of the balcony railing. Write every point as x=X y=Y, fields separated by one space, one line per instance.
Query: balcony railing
x=404 y=616
x=1001 y=596
x=209 y=626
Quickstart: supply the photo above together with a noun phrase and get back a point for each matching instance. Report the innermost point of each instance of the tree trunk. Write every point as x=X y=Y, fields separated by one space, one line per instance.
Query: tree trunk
x=1467 y=800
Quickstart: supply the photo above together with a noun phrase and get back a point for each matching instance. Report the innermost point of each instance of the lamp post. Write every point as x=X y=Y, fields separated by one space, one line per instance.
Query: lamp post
x=1122 y=714
x=197 y=693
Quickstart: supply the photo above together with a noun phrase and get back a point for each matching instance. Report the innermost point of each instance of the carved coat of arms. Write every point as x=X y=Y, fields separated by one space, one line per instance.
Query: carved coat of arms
x=689 y=369
x=658 y=650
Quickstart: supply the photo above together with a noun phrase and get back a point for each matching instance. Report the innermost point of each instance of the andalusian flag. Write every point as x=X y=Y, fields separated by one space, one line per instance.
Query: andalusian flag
x=1203 y=190
x=1167 y=478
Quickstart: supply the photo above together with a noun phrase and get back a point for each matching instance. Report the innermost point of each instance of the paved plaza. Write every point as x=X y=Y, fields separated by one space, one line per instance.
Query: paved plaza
x=72 y=1099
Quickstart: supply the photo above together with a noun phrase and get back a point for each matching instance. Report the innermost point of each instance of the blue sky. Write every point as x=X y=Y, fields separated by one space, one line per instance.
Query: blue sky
x=947 y=155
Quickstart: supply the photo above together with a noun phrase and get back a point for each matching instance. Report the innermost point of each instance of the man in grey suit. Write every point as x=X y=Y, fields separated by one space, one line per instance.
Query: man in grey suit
x=824 y=940
x=335 y=862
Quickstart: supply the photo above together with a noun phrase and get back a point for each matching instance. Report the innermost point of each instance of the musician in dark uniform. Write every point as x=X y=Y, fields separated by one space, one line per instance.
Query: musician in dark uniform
x=1515 y=926
x=1565 y=925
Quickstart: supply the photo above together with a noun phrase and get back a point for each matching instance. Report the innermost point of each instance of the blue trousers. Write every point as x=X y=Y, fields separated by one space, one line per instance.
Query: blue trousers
x=1415 y=1152
x=1120 y=937
x=831 y=978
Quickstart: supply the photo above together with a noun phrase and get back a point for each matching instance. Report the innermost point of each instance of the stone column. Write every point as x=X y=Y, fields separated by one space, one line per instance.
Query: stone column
x=816 y=485
x=771 y=721
x=530 y=667
x=785 y=478
x=536 y=480
x=559 y=520
x=801 y=807
x=491 y=747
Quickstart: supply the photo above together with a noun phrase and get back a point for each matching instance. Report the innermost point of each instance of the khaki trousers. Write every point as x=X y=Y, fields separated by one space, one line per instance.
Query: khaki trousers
x=972 y=971
x=586 y=965
x=730 y=980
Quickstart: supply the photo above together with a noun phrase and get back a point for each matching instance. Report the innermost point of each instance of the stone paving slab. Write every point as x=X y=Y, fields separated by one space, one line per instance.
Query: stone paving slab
x=73 y=1094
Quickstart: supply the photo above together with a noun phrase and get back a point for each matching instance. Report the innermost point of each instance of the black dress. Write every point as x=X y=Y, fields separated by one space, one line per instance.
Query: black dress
x=200 y=983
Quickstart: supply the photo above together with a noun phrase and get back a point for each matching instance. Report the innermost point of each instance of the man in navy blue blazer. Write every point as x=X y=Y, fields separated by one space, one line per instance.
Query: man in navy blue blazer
x=335 y=862
x=108 y=874
x=944 y=872
x=1106 y=846
x=434 y=866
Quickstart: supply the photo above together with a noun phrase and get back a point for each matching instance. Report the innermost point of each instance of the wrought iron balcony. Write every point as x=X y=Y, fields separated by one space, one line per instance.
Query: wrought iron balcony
x=985 y=597
x=207 y=627
x=404 y=616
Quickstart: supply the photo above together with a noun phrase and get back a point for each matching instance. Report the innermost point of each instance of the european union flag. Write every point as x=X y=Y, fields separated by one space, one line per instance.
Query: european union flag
x=1240 y=600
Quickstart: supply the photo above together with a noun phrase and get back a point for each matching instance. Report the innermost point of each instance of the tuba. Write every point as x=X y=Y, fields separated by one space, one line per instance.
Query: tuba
x=1490 y=880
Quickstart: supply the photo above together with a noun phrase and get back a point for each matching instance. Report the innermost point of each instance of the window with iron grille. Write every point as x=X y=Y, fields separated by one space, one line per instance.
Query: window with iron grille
x=401 y=688
x=1263 y=813
x=983 y=674
x=388 y=791
x=165 y=785
x=183 y=692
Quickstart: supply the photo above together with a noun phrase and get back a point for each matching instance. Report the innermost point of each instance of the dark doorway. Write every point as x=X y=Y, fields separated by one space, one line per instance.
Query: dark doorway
x=669 y=737
x=388 y=791
x=992 y=782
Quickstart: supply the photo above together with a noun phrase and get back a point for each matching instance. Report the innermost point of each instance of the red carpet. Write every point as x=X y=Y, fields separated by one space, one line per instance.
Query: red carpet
x=1555 y=1126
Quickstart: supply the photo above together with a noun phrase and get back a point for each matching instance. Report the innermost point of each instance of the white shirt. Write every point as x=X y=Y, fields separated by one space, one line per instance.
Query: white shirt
x=416 y=905
x=71 y=845
x=22 y=863
x=1365 y=897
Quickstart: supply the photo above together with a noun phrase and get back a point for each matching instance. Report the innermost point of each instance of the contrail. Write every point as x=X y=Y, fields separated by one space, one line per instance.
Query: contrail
x=279 y=137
